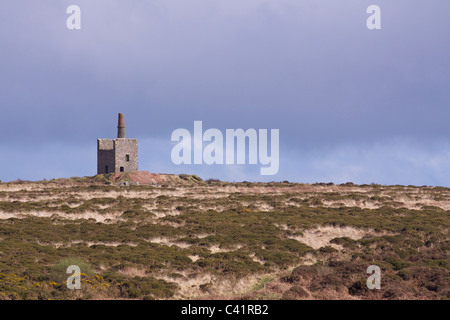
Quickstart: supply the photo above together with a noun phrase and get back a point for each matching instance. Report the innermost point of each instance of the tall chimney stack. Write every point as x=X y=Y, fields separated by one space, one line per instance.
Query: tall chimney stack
x=121 y=126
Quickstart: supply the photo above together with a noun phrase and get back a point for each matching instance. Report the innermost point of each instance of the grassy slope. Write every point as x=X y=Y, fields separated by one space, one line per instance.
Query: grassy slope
x=185 y=238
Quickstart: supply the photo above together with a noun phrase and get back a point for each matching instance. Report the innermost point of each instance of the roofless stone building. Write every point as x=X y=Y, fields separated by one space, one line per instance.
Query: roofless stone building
x=117 y=155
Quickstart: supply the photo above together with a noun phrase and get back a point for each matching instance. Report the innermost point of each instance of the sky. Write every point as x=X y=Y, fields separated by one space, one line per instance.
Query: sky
x=351 y=104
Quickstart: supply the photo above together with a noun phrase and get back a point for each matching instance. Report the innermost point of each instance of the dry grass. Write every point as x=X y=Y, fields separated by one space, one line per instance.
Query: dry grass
x=180 y=237
x=321 y=236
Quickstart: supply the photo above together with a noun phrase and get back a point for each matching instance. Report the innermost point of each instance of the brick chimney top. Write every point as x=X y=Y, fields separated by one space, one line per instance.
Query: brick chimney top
x=121 y=126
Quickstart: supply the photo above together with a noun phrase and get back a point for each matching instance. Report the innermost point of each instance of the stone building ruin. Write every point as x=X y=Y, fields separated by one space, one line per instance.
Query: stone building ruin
x=117 y=155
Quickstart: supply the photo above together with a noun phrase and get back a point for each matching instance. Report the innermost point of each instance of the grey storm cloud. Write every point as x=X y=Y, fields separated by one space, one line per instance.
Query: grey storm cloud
x=339 y=93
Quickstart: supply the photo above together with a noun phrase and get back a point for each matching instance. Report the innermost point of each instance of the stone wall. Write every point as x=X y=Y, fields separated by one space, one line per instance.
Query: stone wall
x=105 y=156
x=124 y=147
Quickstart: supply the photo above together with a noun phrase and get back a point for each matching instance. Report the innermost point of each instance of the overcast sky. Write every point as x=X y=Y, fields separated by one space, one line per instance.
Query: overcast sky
x=351 y=104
